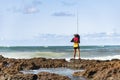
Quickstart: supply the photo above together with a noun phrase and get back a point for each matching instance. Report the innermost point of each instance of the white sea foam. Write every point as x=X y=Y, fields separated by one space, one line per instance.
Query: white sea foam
x=27 y=55
x=54 y=55
x=104 y=57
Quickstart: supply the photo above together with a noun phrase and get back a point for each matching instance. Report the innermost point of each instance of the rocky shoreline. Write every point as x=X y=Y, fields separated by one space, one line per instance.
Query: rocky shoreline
x=93 y=69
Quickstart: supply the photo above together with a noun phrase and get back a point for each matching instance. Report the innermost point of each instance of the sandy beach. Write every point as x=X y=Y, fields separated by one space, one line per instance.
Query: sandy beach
x=92 y=69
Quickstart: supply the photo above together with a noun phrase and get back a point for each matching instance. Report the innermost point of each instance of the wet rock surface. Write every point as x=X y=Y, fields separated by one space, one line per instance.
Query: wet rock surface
x=51 y=76
x=100 y=70
x=93 y=69
x=10 y=69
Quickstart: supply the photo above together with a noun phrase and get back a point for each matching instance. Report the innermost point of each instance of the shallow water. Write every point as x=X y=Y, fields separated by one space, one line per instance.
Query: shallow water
x=61 y=71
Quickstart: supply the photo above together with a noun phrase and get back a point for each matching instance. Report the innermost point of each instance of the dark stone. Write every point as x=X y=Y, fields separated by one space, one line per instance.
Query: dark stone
x=35 y=77
x=93 y=69
x=1 y=57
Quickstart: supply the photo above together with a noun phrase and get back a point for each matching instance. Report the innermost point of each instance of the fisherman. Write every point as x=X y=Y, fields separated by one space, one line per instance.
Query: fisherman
x=76 y=46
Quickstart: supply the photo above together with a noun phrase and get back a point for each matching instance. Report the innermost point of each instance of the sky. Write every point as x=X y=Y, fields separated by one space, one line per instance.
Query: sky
x=25 y=19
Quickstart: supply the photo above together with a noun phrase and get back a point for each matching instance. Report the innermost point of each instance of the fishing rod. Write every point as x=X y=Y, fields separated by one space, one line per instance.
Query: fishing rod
x=77 y=22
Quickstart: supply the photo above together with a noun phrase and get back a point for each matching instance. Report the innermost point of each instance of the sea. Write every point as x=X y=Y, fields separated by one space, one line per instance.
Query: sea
x=99 y=52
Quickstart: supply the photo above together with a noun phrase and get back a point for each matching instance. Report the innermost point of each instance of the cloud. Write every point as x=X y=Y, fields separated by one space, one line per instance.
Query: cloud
x=62 y=14
x=31 y=7
x=30 y=10
x=52 y=39
x=36 y=2
x=25 y=10
x=68 y=3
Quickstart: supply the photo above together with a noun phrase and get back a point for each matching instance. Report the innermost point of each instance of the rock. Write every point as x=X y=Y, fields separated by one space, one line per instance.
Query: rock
x=1 y=57
x=51 y=76
x=93 y=69
x=18 y=77
x=109 y=70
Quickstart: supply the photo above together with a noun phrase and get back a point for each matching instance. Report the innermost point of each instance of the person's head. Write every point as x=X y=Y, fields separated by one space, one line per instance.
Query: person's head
x=75 y=35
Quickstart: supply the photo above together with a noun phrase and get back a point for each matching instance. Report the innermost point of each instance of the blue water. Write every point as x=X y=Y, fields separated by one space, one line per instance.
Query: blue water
x=87 y=52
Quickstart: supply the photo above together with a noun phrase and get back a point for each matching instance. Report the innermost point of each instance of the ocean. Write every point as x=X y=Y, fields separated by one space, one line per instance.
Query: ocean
x=61 y=52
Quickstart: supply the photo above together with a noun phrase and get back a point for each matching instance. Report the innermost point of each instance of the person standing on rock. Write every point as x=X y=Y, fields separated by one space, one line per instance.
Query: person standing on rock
x=76 y=41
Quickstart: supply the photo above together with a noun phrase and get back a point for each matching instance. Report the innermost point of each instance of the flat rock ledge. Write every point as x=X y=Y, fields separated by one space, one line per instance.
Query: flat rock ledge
x=101 y=70
x=39 y=76
x=92 y=69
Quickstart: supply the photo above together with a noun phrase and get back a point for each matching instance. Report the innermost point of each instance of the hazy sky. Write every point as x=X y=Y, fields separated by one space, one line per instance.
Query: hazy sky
x=23 y=19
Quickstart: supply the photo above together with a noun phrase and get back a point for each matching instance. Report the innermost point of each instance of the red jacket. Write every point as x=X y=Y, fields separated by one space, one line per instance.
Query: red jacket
x=76 y=39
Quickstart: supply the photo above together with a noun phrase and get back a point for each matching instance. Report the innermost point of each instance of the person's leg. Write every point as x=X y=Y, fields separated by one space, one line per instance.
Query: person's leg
x=74 y=53
x=78 y=53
